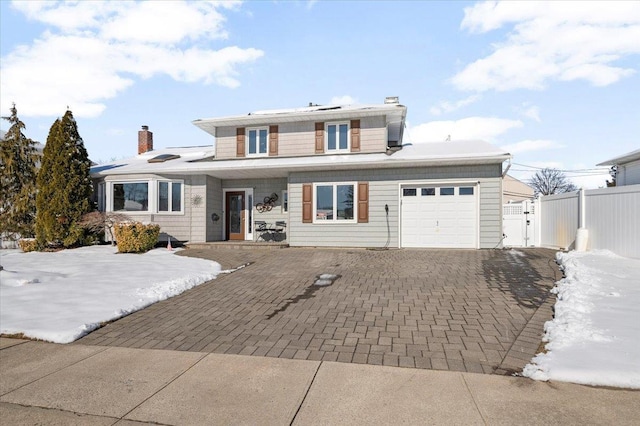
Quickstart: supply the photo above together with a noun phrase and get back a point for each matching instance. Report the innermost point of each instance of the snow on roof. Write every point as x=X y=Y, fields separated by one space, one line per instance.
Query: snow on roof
x=418 y=155
x=622 y=159
x=394 y=113
x=140 y=163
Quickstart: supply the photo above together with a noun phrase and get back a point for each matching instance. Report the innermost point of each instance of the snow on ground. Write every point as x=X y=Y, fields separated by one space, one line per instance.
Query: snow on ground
x=594 y=338
x=60 y=297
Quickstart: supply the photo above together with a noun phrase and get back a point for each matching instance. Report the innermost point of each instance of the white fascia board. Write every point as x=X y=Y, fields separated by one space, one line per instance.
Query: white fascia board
x=623 y=159
x=393 y=114
x=281 y=167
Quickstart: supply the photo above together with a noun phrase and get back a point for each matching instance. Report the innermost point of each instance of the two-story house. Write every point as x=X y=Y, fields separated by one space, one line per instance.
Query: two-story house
x=335 y=175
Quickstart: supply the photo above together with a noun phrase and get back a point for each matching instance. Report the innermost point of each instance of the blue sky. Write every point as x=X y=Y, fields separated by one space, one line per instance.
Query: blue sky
x=556 y=84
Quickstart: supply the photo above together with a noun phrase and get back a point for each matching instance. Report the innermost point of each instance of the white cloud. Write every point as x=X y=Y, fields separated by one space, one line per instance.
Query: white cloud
x=531 y=145
x=343 y=100
x=562 y=41
x=485 y=128
x=446 y=106
x=93 y=51
x=532 y=112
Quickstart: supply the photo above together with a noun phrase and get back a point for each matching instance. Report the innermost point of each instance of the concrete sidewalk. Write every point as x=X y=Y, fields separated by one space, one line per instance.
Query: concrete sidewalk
x=43 y=383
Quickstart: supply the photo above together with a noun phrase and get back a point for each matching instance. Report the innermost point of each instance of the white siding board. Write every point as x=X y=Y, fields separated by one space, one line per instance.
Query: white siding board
x=384 y=189
x=298 y=139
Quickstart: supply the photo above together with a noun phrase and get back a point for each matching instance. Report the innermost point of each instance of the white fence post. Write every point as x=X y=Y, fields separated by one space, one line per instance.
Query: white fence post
x=582 y=234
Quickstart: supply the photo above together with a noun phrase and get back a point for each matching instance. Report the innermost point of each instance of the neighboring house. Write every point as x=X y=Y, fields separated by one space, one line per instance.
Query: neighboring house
x=627 y=168
x=514 y=190
x=337 y=175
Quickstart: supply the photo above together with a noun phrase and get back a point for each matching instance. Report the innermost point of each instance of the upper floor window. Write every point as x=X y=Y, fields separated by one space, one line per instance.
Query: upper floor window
x=257 y=141
x=337 y=137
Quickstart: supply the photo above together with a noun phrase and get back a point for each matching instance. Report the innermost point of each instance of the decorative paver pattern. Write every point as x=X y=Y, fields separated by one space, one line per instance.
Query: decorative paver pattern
x=456 y=310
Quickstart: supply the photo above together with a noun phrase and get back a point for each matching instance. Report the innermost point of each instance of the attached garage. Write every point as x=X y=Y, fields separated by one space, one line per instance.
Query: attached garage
x=439 y=216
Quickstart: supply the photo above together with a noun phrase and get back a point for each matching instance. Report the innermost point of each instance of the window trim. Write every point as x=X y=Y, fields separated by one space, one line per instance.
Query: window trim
x=248 y=138
x=334 y=221
x=326 y=136
x=170 y=183
x=152 y=194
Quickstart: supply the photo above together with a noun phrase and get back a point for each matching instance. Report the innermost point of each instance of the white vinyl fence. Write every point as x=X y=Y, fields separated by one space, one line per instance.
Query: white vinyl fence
x=611 y=217
x=519 y=222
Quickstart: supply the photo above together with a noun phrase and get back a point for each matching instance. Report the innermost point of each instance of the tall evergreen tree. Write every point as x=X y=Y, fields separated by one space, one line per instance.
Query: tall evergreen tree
x=18 y=159
x=64 y=186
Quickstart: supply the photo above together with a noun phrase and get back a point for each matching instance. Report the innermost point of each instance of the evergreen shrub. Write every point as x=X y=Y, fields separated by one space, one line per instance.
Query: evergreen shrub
x=136 y=237
x=28 y=244
x=64 y=187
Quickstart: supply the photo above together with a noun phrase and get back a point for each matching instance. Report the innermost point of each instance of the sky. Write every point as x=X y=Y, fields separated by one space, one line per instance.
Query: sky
x=556 y=84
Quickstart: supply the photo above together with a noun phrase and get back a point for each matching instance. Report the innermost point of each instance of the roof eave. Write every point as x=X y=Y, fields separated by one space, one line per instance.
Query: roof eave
x=622 y=159
x=395 y=113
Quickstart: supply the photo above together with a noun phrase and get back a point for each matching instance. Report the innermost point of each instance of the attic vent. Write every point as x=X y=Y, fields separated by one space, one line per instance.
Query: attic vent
x=162 y=158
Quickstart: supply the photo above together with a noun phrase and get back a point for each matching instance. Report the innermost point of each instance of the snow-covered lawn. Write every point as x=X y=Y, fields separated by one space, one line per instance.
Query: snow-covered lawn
x=594 y=338
x=60 y=297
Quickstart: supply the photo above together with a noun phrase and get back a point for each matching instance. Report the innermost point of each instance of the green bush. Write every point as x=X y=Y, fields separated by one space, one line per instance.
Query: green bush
x=28 y=244
x=136 y=237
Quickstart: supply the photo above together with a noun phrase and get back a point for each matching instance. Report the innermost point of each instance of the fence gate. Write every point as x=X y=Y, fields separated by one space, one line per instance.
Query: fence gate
x=518 y=224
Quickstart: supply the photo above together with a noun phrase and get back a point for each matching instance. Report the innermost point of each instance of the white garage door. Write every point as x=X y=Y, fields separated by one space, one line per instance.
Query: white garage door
x=439 y=216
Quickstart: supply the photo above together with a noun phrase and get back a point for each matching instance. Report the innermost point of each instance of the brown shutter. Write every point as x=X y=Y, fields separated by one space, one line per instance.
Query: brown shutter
x=273 y=141
x=363 y=202
x=240 y=144
x=307 y=203
x=355 y=135
x=319 y=138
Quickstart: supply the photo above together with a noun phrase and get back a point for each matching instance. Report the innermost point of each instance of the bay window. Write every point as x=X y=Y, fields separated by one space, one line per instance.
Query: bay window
x=131 y=197
x=151 y=196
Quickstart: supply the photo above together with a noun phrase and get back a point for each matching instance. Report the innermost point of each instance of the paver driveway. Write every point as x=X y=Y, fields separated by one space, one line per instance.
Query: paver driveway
x=463 y=310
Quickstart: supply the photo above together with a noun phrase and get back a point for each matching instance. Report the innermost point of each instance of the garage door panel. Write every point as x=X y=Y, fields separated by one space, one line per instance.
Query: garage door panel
x=448 y=221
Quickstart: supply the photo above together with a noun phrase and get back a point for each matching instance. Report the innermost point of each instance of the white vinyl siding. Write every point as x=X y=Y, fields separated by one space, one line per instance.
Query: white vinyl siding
x=384 y=190
x=298 y=139
x=191 y=224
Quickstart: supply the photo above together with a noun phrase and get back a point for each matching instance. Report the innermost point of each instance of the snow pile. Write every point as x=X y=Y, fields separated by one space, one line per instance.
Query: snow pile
x=60 y=297
x=594 y=338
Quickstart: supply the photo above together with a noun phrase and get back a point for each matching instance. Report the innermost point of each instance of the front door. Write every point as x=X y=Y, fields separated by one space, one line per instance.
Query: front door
x=235 y=215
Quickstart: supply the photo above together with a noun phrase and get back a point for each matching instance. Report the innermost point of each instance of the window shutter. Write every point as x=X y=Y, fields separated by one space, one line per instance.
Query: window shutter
x=319 y=138
x=355 y=135
x=240 y=144
x=363 y=202
x=273 y=141
x=307 y=203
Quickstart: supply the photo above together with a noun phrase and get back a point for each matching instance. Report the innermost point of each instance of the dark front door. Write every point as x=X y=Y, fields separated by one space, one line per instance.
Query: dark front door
x=235 y=215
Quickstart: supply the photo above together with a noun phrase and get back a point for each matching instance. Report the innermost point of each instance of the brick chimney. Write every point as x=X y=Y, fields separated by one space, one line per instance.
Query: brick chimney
x=145 y=140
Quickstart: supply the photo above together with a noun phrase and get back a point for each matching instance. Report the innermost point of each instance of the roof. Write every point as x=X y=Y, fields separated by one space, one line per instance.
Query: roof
x=623 y=159
x=395 y=113
x=198 y=160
